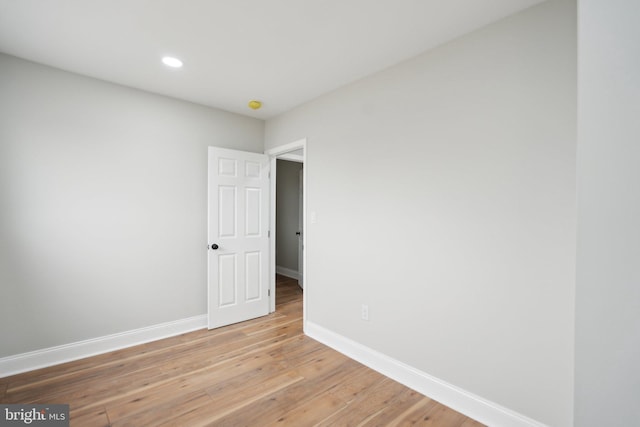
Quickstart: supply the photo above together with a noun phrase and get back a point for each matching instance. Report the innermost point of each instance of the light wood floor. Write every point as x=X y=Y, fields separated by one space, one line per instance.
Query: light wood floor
x=262 y=372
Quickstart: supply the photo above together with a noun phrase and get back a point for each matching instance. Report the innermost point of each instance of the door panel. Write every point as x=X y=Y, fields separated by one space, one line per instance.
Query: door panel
x=254 y=212
x=253 y=261
x=227 y=211
x=227 y=280
x=238 y=229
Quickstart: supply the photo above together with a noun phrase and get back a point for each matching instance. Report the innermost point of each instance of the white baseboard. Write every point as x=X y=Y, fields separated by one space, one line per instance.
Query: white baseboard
x=467 y=403
x=287 y=272
x=24 y=362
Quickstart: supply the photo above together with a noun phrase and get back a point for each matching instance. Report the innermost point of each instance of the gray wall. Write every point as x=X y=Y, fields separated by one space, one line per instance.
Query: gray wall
x=608 y=269
x=444 y=190
x=287 y=199
x=104 y=200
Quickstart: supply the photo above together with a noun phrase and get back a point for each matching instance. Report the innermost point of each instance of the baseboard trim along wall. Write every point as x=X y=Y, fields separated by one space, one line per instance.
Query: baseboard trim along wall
x=24 y=362
x=288 y=272
x=454 y=397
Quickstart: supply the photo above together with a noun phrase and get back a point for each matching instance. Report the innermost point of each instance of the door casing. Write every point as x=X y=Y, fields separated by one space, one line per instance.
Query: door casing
x=285 y=152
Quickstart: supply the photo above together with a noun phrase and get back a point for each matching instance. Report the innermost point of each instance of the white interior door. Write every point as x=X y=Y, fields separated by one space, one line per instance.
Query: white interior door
x=238 y=252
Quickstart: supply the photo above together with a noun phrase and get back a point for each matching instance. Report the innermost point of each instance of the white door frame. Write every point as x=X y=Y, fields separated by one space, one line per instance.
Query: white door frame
x=285 y=152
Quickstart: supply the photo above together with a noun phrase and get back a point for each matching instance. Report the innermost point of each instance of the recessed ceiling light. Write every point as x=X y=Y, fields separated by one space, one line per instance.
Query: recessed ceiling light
x=172 y=62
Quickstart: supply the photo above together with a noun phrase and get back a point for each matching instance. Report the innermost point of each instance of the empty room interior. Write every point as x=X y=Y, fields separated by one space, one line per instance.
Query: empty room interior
x=321 y=212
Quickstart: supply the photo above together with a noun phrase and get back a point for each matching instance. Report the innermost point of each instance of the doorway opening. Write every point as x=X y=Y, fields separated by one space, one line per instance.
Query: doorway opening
x=289 y=219
x=292 y=248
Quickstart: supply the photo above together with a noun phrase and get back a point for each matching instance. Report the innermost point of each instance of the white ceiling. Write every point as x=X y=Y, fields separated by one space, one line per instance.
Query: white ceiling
x=282 y=52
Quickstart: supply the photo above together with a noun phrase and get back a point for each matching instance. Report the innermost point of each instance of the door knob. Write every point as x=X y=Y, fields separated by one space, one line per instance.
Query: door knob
x=214 y=246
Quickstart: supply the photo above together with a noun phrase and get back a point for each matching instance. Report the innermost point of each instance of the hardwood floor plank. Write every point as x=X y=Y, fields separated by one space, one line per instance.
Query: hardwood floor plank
x=95 y=417
x=358 y=388
x=369 y=404
x=312 y=412
x=217 y=413
x=297 y=348
x=90 y=393
x=263 y=372
x=166 y=409
x=395 y=408
x=320 y=376
x=146 y=400
x=270 y=326
x=415 y=414
x=468 y=422
x=123 y=363
x=190 y=379
x=440 y=416
x=206 y=360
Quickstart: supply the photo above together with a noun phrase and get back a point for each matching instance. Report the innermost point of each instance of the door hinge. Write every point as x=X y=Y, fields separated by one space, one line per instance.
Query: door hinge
x=269 y=292
x=269 y=233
